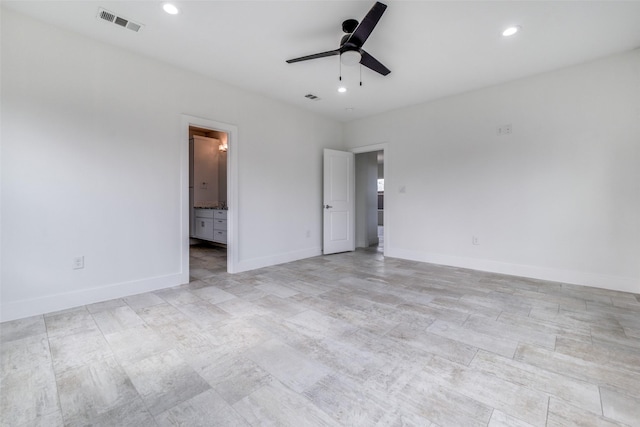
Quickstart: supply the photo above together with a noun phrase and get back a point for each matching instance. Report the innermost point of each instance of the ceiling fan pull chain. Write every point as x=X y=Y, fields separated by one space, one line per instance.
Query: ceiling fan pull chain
x=340 y=74
x=360 y=74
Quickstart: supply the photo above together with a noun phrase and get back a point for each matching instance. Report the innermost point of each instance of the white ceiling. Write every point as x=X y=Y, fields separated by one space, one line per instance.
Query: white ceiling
x=433 y=48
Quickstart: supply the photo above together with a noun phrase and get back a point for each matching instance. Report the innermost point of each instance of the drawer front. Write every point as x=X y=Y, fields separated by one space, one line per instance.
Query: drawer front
x=220 y=236
x=203 y=228
x=220 y=224
x=220 y=214
x=204 y=213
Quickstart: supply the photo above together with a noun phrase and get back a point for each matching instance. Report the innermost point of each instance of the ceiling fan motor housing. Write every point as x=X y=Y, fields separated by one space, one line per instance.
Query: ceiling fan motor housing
x=349 y=26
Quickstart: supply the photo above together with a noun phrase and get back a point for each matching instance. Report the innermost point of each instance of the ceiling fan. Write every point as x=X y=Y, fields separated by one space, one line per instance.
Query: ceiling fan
x=350 y=49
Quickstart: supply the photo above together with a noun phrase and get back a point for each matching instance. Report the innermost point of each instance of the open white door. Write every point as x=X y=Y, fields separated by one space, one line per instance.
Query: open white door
x=339 y=202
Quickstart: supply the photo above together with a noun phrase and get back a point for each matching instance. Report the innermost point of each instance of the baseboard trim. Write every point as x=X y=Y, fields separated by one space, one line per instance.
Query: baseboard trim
x=50 y=303
x=615 y=283
x=255 y=263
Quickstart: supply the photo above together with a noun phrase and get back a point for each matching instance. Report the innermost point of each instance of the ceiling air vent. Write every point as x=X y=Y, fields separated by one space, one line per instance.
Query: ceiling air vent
x=312 y=97
x=107 y=16
x=134 y=27
x=119 y=20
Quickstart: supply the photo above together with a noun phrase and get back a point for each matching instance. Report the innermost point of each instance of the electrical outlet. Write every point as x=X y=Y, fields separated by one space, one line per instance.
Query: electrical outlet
x=78 y=262
x=474 y=240
x=504 y=130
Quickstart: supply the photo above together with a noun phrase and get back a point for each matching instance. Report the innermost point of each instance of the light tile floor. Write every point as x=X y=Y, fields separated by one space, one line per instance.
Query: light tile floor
x=350 y=339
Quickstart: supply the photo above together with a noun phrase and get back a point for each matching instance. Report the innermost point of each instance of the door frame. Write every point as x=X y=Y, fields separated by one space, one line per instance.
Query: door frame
x=233 y=143
x=384 y=147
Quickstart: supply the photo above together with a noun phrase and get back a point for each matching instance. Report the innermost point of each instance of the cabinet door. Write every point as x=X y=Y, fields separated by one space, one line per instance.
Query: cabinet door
x=220 y=236
x=204 y=228
x=205 y=170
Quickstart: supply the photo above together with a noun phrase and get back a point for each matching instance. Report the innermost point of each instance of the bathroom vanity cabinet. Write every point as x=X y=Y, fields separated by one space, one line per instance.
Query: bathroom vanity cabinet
x=210 y=224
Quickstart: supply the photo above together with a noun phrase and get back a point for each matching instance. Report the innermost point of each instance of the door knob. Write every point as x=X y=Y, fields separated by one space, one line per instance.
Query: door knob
x=327 y=207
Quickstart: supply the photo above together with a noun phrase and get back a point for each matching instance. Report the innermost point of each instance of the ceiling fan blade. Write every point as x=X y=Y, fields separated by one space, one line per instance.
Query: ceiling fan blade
x=368 y=23
x=314 y=56
x=373 y=64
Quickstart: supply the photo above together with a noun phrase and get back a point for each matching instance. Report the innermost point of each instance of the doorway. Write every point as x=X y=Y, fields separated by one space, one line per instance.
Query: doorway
x=371 y=216
x=380 y=200
x=220 y=194
x=207 y=201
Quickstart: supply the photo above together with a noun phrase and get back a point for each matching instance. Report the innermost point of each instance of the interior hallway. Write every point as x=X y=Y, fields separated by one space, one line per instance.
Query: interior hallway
x=352 y=339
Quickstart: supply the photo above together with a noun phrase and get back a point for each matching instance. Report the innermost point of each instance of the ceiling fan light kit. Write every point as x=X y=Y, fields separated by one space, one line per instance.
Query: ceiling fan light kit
x=350 y=50
x=350 y=57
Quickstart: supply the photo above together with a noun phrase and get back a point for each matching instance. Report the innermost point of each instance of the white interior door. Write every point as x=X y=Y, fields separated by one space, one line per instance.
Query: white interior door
x=339 y=202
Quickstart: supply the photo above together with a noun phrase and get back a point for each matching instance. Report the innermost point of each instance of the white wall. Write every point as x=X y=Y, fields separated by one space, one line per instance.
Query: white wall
x=222 y=173
x=558 y=199
x=91 y=158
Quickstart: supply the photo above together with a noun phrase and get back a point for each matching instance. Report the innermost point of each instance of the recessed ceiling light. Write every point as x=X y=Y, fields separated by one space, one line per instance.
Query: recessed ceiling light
x=170 y=9
x=342 y=89
x=511 y=31
x=349 y=109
